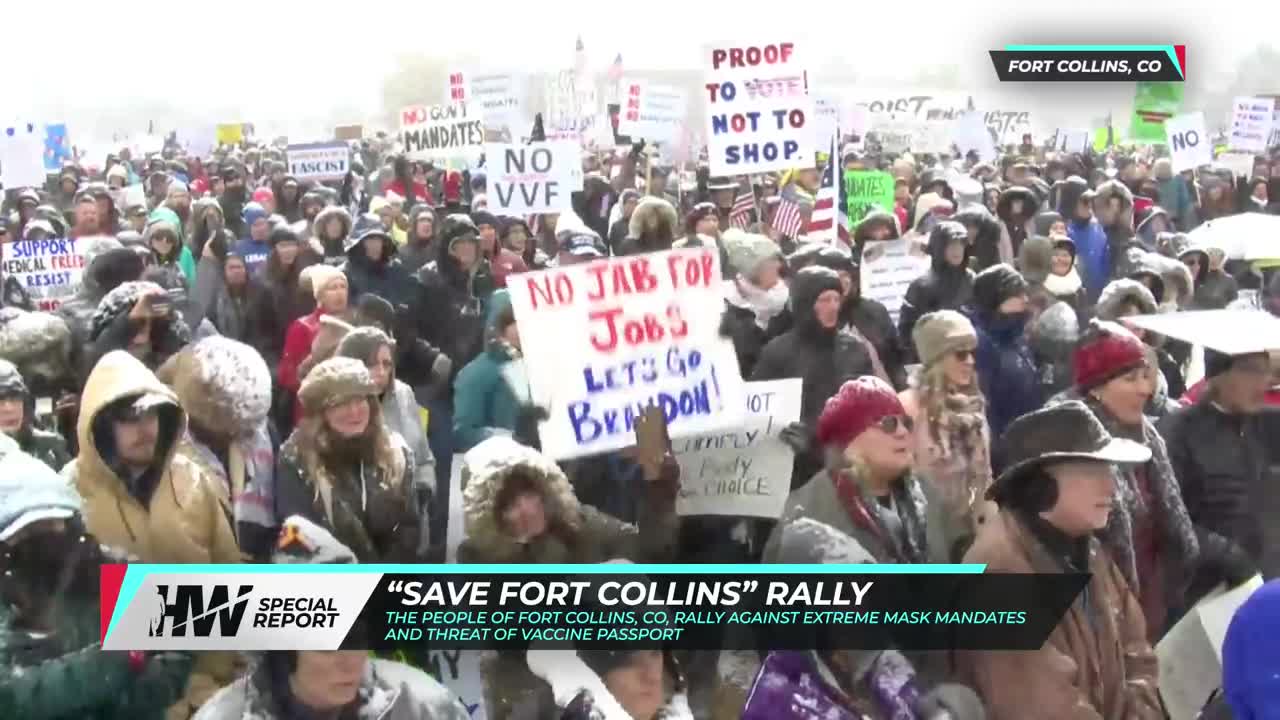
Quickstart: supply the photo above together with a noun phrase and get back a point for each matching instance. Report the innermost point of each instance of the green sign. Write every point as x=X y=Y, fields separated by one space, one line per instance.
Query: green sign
x=867 y=190
x=1153 y=103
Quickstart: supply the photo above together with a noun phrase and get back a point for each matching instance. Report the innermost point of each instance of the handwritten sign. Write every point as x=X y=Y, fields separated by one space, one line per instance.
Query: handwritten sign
x=758 y=117
x=319 y=161
x=604 y=340
x=1189 y=144
x=652 y=111
x=745 y=471
x=49 y=270
x=1251 y=123
x=1009 y=125
x=908 y=105
x=867 y=190
x=440 y=131
x=459 y=670
x=888 y=267
x=499 y=96
x=534 y=178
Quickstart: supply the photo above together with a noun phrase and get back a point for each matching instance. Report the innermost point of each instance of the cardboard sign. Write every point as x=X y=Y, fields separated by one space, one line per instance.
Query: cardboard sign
x=605 y=339
x=440 y=131
x=746 y=471
x=49 y=270
x=652 y=111
x=1251 y=119
x=889 y=267
x=532 y=179
x=867 y=190
x=348 y=132
x=759 y=113
x=1190 y=655
x=925 y=105
x=1008 y=125
x=1153 y=104
x=22 y=155
x=1189 y=144
x=497 y=96
x=319 y=161
x=230 y=133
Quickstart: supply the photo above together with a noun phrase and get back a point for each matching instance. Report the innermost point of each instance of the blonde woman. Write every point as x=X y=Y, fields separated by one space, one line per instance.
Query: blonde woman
x=952 y=438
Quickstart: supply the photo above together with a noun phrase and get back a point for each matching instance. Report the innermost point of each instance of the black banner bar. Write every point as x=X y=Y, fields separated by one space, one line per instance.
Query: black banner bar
x=1084 y=66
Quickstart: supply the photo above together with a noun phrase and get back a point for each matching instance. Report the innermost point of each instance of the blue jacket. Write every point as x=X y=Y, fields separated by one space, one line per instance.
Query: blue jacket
x=254 y=253
x=1006 y=370
x=489 y=400
x=1093 y=255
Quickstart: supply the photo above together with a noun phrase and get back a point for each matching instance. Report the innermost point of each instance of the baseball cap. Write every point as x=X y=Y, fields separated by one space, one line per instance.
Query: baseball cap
x=582 y=243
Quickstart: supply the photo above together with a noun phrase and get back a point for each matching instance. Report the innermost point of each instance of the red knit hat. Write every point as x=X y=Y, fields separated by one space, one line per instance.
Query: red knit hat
x=1106 y=350
x=858 y=405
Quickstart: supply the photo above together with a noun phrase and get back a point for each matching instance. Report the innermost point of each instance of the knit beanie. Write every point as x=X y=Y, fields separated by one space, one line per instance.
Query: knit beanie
x=996 y=284
x=747 y=251
x=281 y=233
x=1106 y=350
x=321 y=276
x=362 y=342
x=252 y=213
x=333 y=382
x=858 y=405
x=1251 y=655
x=942 y=332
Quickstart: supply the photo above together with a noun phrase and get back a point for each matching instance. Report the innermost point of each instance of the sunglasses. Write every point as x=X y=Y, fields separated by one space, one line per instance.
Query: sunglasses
x=889 y=424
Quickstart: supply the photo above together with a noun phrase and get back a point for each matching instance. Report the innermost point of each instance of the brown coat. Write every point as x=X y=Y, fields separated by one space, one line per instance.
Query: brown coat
x=1101 y=669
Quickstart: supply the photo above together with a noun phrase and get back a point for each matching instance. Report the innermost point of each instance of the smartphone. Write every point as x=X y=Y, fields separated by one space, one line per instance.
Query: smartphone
x=44 y=407
x=652 y=442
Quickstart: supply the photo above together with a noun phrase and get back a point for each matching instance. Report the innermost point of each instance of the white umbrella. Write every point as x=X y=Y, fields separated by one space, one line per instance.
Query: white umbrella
x=1247 y=236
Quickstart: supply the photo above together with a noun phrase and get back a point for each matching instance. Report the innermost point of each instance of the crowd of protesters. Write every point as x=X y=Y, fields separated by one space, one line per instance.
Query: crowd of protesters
x=257 y=368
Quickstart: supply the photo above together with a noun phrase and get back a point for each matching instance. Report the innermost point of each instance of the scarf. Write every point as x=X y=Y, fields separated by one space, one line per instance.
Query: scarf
x=766 y=304
x=910 y=505
x=960 y=431
x=1063 y=285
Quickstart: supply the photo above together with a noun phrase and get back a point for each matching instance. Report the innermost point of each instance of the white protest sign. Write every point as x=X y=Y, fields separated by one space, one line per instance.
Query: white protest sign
x=22 y=155
x=49 y=270
x=912 y=105
x=826 y=118
x=1009 y=125
x=970 y=134
x=319 y=161
x=931 y=136
x=440 y=131
x=498 y=95
x=459 y=670
x=889 y=266
x=895 y=137
x=759 y=113
x=199 y=141
x=747 y=470
x=651 y=111
x=532 y=179
x=1240 y=164
x=1251 y=119
x=1189 y=144
x=1072 y=141
x=1274 y=140
x=605 y=339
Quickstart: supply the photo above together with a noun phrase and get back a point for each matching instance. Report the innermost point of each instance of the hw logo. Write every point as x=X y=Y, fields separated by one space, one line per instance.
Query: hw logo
x=186 y=607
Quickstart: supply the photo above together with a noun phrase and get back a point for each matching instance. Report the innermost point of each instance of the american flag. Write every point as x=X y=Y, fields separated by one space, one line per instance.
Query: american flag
x=829 y=221
x=787 y=219
x=743 y=205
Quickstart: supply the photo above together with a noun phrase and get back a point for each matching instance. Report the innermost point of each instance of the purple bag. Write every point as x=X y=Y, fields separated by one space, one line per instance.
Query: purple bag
x=790 y=687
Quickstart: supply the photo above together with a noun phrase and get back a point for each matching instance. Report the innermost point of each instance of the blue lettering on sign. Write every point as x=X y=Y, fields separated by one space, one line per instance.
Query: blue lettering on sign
x=756 y=152
x=593 y=420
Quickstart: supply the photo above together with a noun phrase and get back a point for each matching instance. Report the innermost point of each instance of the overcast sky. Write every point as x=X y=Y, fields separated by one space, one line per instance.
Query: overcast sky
x=303 y=54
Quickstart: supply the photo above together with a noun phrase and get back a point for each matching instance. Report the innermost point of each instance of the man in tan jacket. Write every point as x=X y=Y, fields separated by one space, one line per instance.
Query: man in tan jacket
x=143 y=497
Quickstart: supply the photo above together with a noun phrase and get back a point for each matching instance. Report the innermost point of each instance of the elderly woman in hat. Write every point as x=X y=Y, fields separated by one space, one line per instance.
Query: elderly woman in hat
x=344 y=470
x=1055 y=490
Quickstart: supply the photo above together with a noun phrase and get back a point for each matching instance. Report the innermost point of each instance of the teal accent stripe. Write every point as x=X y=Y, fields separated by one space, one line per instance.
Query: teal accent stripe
x=1089 y=48
x=133 y=576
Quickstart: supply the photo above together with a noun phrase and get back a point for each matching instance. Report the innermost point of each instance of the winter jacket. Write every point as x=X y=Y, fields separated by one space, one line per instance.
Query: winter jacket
x=1215 y=289
x=491 y=394
x=449 y=305
x=297 y=346
x=1175 y=196
x=752 y=319
x=335 y=249
x=1096 y=663
x=186 y=518
x=418 y=252
x=505 y=263
x=278 y=306
x=1121 y=231
x=653 y=227
x=1015 y=227
x=389 y=691
x=943 y=287
x=1093 y=253
x=386 y=278
x=870 y=318
x=107 y=264
x=1006 y=368
x=984 y=238
x=823 y=359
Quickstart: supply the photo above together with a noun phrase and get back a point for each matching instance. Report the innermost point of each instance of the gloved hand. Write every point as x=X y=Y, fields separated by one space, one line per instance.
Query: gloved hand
x=950 y=701
x=797 y=437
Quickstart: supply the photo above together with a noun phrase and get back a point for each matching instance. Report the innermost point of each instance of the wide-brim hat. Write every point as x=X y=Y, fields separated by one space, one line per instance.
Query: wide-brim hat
x=721 y=183
x=1066 y=431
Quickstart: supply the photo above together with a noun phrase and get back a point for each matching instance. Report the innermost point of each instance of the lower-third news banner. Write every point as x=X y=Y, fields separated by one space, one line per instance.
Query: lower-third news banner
x=385 y=607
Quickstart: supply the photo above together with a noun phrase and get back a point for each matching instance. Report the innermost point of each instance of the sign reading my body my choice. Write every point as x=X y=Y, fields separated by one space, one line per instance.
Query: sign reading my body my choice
x=605 y=339
x=759 y=109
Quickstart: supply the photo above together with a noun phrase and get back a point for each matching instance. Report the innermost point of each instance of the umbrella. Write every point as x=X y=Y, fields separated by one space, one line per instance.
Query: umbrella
x=1247 y=236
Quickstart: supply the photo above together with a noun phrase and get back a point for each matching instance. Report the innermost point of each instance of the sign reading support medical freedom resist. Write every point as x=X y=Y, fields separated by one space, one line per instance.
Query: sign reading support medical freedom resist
x=319 y=161
x=605 y=339
x=534 y=178
x=1189 y=144
x=745 y=471
x=49 y=270
x=440 y=131
x=651 y=111
x=758 y=108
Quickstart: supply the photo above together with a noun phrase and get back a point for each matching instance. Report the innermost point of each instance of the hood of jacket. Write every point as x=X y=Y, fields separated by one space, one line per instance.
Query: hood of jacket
x=1175 y=276
x=942 y=235
x=489 y=465
x=1115 y=189
x=120 y=375
x=416 y=212
x=1124 y=292
x=1035 y=259
x=1068 y=193
x=1044 y=220
x=653 y=217
x=988 y=234
x=323 y=217
x=222 y=384
x=805 y=288
x=1004 y=205
x=38 y=343
x=872 y=220
x=926 y=204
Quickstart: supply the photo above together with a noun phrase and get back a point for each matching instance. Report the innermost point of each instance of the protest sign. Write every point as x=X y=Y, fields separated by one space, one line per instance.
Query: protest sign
x=49 y=270
x=1240 y=164
x=745 y=471
x=1008 y=125
x=894 y=140
x=348 y=132
x=1153 y=104
x=931 y=137
x=497 y=96
x=889 y=266
x=1250 y=124
x=430 y=132
x=57 y=149
x=319 y=161
x=969 y=133
x=199 y=141
x=651 y=111
x=457 y=670
x=826 y=117
x=1071 y=141
x=229 y=133
x=925 y=105
x=605 y=339
x=759 y=113
x=534 y=178
x=867 y=190
x=22 y=156
x=1188 y=141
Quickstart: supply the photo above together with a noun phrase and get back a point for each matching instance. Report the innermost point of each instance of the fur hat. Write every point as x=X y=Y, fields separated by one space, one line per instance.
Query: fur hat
x=747 y=251
x=942 y=332
x=38 y=343
x=321 y=275
x=1106 y=350
x=1124 y=292
x=858 y=405
x=224 y=385
x=360 y=343
x=653 y=215
x=333 y=382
